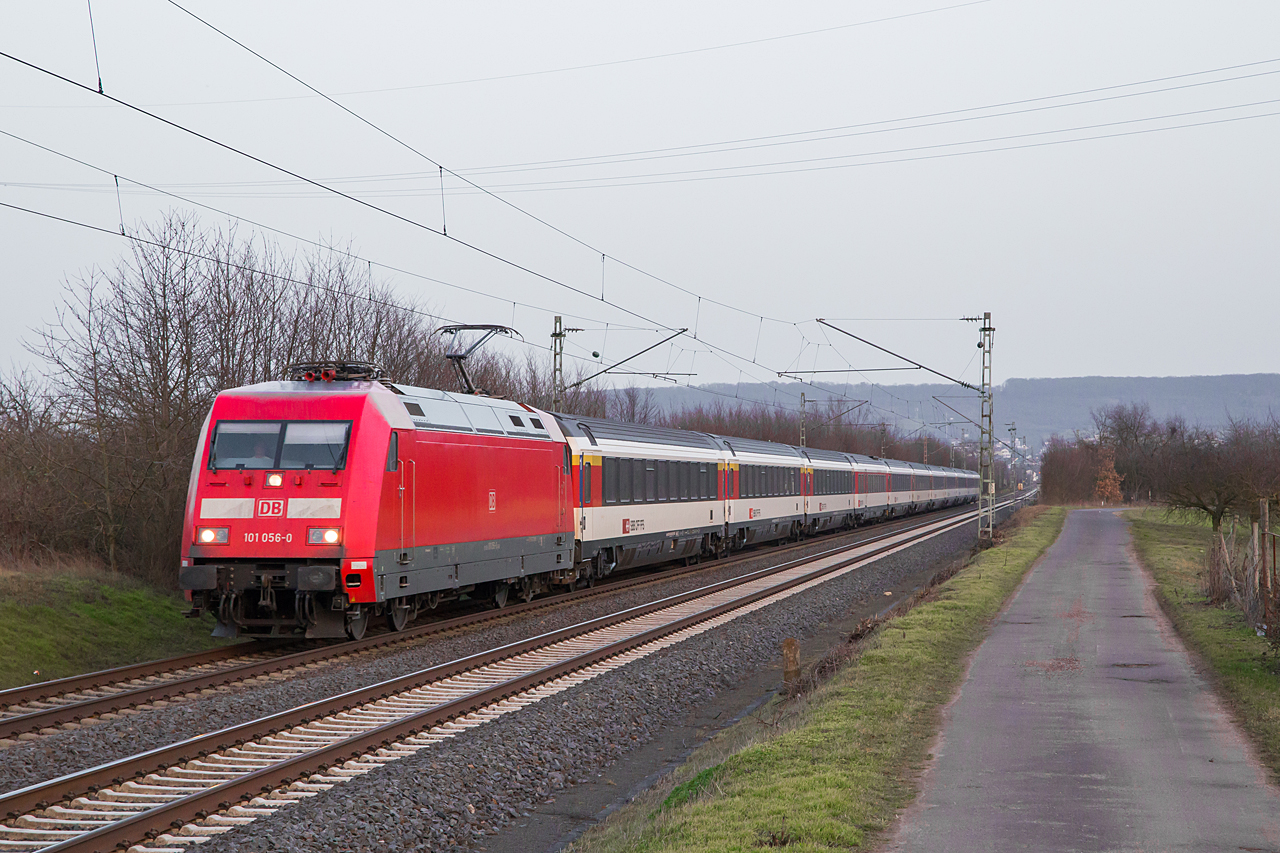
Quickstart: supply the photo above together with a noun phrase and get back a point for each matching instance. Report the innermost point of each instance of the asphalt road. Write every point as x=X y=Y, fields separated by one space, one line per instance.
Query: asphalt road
x=1082 y=726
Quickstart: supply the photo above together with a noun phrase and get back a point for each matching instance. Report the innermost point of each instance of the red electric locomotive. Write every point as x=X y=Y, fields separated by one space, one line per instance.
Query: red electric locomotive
x=320 y=502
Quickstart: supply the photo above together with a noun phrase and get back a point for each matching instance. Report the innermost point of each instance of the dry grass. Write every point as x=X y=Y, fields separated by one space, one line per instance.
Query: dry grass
x=1244 y=667
x=64 y=617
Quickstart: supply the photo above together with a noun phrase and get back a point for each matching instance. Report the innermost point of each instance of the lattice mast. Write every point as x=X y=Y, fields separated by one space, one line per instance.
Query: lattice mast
x=986 y=451
x=557 y=364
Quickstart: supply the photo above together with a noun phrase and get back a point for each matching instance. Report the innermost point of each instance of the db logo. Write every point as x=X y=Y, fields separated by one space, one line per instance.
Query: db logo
x=493 y=501
x=270 y=509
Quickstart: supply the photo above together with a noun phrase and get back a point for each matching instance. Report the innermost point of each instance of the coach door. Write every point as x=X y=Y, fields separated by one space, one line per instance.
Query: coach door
x=406 y=494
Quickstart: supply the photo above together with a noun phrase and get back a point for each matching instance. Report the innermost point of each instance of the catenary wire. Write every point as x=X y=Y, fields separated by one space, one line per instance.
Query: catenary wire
x=707 y=173
x=373 y=300
x=314 y=243
x=398 y=176
x=641 y=154
x=698 y=175
x=589 y=66
x=594 y=249
x=175 y=125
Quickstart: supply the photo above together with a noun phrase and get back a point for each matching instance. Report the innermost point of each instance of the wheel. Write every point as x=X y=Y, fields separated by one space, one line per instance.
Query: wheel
x=500 y=593
x=398 y=613
x=357 y=624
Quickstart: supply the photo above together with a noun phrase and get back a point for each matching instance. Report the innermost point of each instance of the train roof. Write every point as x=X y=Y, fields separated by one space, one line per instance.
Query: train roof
x=596 y=430
x=430 y=408
x=764 y=448
x=818 y=455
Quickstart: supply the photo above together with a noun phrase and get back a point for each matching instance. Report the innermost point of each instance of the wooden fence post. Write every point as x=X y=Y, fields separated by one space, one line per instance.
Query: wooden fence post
x=790 y=664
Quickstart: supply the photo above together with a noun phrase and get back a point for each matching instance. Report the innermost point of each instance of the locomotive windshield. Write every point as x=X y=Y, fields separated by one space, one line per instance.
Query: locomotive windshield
x=280 y=445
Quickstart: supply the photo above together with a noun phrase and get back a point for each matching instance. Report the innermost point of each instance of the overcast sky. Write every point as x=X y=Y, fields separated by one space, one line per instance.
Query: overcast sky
x=908 y=163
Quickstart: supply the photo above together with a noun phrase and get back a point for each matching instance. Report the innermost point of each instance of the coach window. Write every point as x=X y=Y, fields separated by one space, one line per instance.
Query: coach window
x=637 y=480
x=650 y=475
x=609 y=480
x=661 y=478
x=584 y=481
x=624 y=480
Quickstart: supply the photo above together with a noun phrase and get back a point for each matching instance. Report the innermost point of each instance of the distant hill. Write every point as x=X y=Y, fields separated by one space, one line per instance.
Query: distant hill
x=1040 y=407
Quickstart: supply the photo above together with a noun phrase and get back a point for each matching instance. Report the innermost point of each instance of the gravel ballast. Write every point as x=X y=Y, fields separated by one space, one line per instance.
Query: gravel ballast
x=102 y=741
x=455 y=793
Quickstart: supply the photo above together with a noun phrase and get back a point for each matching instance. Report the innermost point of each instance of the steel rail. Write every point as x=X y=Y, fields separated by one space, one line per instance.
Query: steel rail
x=139 y=827
x=75 y=784
x=107 y=677
x=169 y=689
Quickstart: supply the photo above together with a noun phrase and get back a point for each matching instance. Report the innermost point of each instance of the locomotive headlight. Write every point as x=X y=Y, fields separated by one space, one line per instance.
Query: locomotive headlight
x=275 y=480
x=213 y=535
x=324 y=535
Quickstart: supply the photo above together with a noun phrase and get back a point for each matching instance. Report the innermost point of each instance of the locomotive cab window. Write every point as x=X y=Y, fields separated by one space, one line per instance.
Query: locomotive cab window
x=290 y=445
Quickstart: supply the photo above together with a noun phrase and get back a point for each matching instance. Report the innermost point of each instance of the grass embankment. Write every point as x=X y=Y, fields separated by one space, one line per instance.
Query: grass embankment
x=832 y=769
x=1242 y=664
x=68 y=623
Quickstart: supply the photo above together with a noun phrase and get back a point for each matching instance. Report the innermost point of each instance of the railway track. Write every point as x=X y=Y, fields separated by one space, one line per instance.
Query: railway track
x=43 y=707
x=178 y=795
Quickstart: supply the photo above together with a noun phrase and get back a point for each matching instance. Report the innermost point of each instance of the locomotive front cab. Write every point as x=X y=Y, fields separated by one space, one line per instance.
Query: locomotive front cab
x=279 y=531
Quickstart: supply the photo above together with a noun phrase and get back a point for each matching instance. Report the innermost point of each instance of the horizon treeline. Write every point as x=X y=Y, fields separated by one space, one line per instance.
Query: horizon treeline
x=96 y=445
x=1137 y=457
